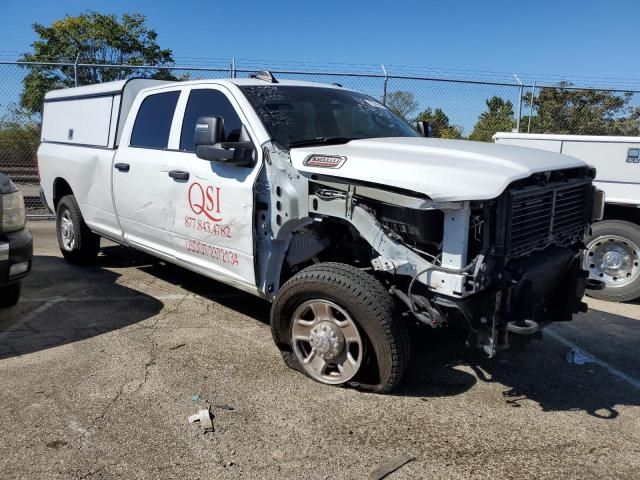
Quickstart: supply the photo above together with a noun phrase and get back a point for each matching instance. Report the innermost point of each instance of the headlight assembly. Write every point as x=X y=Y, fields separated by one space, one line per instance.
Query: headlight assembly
x=13 y=213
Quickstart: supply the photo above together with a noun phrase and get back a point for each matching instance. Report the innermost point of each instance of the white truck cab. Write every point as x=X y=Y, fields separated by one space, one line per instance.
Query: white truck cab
x=322 y=201
x=613 y=247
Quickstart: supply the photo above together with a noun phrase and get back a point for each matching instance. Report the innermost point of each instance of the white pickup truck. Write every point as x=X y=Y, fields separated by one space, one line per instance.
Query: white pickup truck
x=322 y=201
x=613 y=248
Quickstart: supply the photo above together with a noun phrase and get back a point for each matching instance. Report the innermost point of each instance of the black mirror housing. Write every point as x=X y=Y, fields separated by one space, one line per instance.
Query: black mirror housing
x=209 y=131
x=229 y=153
x=210 y=145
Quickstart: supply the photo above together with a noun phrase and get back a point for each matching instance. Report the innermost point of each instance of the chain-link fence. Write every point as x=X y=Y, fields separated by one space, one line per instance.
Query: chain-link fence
x=455 y=108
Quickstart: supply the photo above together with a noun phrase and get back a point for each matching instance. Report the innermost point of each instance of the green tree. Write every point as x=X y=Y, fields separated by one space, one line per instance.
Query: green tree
x=19 y=140
x=440 y=124
x=564 y=109
x=497 y=118
x=95 y=38
x=402 y=104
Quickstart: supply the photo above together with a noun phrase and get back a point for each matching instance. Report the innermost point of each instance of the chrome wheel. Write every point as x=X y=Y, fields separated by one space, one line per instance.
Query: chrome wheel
x=67 y=231
x=613 y=260
x=326 y=341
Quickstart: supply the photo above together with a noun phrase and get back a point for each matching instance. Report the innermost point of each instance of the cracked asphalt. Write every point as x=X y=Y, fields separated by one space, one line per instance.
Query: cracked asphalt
x=100 y=368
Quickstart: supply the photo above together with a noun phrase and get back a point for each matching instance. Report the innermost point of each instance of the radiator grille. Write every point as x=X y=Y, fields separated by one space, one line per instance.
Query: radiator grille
x=544 y=215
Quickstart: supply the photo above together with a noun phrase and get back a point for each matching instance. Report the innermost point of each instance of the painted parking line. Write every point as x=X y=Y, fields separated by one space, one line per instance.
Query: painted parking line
x=612 y=370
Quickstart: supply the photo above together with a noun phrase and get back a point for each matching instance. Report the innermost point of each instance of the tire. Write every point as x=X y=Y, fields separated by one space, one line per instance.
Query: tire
x=621 y=241
x=10 y=294
x=351 y=295
x=78 y=244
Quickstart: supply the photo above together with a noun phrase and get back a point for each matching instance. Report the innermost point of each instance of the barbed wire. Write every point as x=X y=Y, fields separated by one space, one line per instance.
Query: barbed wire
x=186 y=61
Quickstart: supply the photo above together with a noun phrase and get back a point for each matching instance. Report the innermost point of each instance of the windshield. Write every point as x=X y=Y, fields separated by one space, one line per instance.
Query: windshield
x=297 y=116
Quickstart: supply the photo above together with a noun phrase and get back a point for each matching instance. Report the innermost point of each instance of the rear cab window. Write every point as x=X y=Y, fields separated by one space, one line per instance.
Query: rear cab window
x=153 y=122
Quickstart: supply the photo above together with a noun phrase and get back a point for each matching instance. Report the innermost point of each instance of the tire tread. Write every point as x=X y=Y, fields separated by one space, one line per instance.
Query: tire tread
x=371 y=295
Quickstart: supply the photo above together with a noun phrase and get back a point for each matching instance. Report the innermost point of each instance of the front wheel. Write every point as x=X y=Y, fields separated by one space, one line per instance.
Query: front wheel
x=78 y=244
x=335 y=324
x=613 y=257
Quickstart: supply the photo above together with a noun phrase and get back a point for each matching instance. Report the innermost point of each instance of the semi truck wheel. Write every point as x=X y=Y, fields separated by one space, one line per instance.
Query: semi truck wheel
x=10 y=294
x=78 y=244
x=613 y=256
x=335 y=324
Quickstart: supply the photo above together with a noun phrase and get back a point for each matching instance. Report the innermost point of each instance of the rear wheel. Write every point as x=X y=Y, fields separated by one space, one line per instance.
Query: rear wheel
x=335 y=324
x=78 y=244
x=613 y=257
x=10 y=294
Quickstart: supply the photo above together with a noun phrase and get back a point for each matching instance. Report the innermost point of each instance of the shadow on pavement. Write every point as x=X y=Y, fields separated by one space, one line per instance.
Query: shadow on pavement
x=441 y=365
x=62 y=304
x=230 y=297
x=539 y=372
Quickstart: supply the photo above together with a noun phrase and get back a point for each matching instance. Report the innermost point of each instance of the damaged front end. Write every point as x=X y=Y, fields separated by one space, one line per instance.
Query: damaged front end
x=506 y=265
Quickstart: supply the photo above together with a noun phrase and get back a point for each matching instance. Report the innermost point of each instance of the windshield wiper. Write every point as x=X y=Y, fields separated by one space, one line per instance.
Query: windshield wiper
x=321 y=141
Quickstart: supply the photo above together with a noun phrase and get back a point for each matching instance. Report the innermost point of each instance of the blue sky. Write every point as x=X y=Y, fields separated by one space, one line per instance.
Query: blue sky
x=588 y=42
x=570 y=38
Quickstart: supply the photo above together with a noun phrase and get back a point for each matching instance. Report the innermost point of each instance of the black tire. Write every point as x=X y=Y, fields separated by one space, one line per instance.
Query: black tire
x=387 y=346
x=10 y=294
x=625 y=230
x=86 y=244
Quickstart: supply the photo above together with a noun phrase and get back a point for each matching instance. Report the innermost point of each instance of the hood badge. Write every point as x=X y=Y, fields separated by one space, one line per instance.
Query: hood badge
x=324 y=161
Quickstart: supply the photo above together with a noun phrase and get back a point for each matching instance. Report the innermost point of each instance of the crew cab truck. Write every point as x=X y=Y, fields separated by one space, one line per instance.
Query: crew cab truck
x=613 y=247
x=322 y=201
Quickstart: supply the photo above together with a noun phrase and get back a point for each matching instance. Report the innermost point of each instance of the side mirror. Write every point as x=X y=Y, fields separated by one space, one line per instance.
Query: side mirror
x=210 y=145
x=424 y=128
x=209 y=131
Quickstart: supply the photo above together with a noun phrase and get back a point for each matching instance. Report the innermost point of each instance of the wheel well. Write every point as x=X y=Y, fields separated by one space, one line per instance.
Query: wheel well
x=60 y=189
x=329 y=240
x=622 y=212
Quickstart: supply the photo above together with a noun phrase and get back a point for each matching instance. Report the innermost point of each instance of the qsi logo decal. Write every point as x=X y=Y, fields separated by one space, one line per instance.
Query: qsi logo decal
x=205 y=201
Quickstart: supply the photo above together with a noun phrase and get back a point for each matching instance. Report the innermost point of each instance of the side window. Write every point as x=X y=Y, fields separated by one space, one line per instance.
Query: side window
x=153 y=122
x=208 y=103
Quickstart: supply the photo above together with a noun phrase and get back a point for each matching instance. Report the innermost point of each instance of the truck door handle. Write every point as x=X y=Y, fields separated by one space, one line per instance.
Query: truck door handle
x=123 y=167
x=179 y=175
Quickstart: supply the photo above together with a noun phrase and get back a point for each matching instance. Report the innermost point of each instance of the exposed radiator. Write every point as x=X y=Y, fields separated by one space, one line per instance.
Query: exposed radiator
x=540 y=216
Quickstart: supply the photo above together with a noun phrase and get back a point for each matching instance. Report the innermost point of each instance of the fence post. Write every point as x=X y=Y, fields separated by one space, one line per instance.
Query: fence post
x=233 y=67
x=384 y=87
x=519 y=103
x=533 y=90
x=75 y=70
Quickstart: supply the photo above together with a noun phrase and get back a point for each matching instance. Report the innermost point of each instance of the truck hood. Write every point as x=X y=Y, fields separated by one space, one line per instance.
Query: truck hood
x=445 y=170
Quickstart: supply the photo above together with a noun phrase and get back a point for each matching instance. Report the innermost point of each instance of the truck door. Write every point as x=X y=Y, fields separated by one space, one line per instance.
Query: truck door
x=213 y=224
x=142 y=183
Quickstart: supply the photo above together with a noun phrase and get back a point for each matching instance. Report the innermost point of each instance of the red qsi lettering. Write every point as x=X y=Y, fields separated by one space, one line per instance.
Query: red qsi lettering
x=205 y=201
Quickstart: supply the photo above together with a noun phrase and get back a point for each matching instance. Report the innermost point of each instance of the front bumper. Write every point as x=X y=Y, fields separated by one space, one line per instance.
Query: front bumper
x=16 y=255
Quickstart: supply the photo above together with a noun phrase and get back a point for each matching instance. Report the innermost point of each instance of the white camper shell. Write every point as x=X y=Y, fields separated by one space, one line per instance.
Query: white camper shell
x=93 y=115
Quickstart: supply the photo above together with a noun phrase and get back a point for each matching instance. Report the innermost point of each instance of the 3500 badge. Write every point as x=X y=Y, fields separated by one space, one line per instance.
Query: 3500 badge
x=205 y=201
